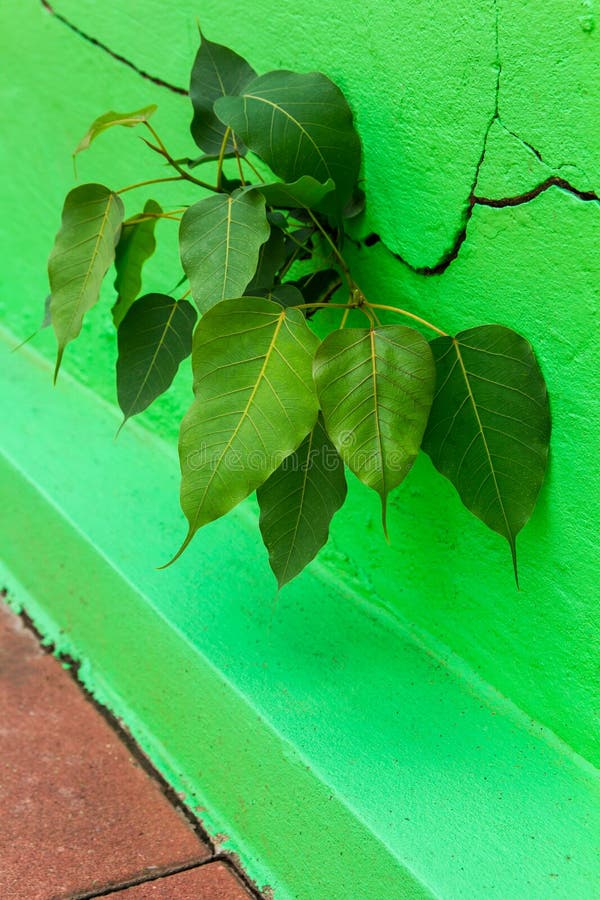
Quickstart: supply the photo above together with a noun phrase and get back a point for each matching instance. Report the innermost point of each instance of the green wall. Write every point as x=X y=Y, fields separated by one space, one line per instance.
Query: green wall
x=449 y=98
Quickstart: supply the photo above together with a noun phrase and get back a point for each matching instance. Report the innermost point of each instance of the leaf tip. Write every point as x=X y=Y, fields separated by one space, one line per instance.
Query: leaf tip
x=513 y=553
x=59 y=357
x=120 y=428
x=384 y=518
x=186 y=541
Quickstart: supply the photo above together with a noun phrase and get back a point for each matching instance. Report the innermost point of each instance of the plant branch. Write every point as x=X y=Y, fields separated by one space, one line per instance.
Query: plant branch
x=138 y=184
x=405 y=312
x=173 y=162
x=222 y=157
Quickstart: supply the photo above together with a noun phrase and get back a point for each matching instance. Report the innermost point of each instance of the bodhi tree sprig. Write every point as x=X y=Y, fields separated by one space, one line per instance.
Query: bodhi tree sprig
x=275 y=409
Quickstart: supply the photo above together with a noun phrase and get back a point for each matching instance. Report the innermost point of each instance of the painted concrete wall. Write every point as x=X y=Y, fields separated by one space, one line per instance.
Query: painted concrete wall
x=452 y=101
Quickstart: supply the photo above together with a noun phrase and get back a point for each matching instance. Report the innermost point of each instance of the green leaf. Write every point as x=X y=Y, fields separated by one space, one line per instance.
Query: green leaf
x=154 y=337
x=217 y=71
x=489 y=427
x=317 y=287
x=254 y=403
x=271 y=257
x=220 y=238
x=306 y=191
x=284 y=294
x=375 y=388
x=136 y=245
x=84 y=248
x=298 y=502
x=299 y=124
x=109 y=119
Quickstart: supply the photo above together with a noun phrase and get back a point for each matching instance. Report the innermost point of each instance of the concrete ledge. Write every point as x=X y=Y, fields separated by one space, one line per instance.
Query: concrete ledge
x=340 y=755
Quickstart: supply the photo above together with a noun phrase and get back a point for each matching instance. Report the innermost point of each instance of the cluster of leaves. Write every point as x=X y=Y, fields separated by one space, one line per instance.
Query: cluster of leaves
x=275 y=409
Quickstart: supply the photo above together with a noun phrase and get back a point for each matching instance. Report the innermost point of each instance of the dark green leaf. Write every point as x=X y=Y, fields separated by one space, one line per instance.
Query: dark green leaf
x=110 y=119
x=217 y=71
x=284 y=294
x=271 y=257
x=306 y=191
x=355 y=205
x=277 y=218
x=220 y=238
x=84 y=248
x=254 y=403
x=299 y=124
x=298 y=502
x=136 y=244
x=317 y=287
x=489 y=427
x=375 y=388
x=154 y=337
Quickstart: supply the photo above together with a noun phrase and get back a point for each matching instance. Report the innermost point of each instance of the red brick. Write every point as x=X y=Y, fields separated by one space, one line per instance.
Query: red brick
x=78 y=812
x=213 y=881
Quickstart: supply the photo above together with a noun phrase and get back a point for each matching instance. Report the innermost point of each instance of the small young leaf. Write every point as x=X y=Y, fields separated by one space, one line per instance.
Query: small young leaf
x=217 y=71
x=84 y=248
x=375 y=388
x=305 y=192
x=220 y=238
x=154 y=337
x=271 y=257
x=298 y=502
x=254 y=403
x=109 y=119
x=136 y=245
x=299 y=124
x=489 y=427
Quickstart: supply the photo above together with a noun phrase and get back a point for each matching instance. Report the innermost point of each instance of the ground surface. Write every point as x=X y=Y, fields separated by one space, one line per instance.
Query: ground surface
x=82 y=815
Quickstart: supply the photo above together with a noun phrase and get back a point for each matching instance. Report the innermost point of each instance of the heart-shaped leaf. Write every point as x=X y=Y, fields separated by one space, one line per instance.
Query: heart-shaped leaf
x=217 y=71
x=254 y=403
x=220 y=238
x=299 y=124
x=136 y=245
x=84 y=248
x=489 y=427
x=154 y=337
x=298 y=502
x=375 y=388
x=109 y=120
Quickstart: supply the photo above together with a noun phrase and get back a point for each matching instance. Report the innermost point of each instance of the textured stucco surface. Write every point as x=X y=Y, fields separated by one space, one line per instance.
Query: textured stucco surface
x=437 y=91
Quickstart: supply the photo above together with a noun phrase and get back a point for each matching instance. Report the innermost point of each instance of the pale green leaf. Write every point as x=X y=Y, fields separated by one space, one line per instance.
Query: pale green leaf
x=109 y=120
x=299 y=124
x=136 y=245
x=217 y=71
x=489 y=427
x=84 y=248
x=254 y=403
x=375 y=388
x=298 y=502
x=154 y=337
x=220 y=238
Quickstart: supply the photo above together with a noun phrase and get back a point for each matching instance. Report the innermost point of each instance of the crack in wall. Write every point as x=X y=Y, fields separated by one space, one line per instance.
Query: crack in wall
x=106 y=49
x=473 y=198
